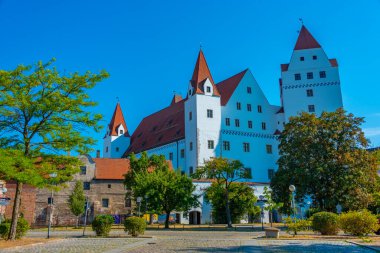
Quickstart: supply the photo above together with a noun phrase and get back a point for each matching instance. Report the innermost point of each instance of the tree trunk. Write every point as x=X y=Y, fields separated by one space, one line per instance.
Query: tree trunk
x=228 y=212
x=271 y=218
x=15 y=212
x=150 y=219
x=167 y=220
x=77 y=225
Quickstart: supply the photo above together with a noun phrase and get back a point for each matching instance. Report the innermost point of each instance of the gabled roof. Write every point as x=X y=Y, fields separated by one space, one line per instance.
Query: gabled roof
x=160 y=128
x=111 y=168
x=306 y=40
x=116 y=121
x=200 y=74
x=176 y=99
x=333 y=62
x=228 y=86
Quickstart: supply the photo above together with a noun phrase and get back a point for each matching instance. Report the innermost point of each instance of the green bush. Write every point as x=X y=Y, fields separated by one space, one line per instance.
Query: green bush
x=135 y=226
x=358 y=222
x=102 y=224
x=325 y=222
x=309 y=212
x=21 y=229
x=296 y=225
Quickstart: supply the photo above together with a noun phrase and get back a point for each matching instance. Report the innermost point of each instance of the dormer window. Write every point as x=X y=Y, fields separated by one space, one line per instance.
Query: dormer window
x=190 y=92
x=121 y=131
x=208 y=88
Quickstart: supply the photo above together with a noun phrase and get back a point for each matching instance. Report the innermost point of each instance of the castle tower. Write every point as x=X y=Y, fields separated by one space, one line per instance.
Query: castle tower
x=202 y=116
x=117 y=138
x=310 y=82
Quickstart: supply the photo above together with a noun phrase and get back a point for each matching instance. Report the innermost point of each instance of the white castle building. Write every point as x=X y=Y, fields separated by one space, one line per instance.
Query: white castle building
x=232 y=118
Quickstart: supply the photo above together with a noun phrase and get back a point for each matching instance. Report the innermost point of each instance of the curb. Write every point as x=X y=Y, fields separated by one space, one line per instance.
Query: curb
x=364 y=246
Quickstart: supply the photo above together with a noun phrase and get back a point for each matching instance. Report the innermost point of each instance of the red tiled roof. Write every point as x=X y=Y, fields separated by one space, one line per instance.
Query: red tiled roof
x=306 y=40
x=333 y=62
x=176 y=99
x=110 y=168
x=200 y=74
x=116 y=121
x=228 y=86
x=157 y=129
x=284 y=67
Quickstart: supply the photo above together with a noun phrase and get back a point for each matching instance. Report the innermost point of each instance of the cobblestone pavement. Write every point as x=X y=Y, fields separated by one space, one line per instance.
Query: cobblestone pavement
x=187 y=241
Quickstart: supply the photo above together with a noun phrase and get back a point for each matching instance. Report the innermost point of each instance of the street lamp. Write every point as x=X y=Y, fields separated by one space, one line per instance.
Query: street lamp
x=261 y=197
x=52 y=175
x=138 y=200
x=292 y=189
x=85 y=215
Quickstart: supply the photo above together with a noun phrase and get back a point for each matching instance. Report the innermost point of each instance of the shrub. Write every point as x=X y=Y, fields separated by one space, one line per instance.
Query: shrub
x=325 y=222
x=358 y=222
x=102 y=224
x=296 y=225
x=21 y=229
x=309 y=212
x=135 y=226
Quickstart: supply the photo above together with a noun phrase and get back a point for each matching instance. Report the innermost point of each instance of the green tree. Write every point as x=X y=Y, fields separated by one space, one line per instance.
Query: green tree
x=242 y=201
x=43 y=111
x=166 y=190
x=270 y=204
x=225 y=172
x=77 y=200
x=326 y=158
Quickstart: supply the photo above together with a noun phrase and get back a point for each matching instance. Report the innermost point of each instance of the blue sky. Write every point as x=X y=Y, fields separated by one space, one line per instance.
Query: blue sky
x=150 y=47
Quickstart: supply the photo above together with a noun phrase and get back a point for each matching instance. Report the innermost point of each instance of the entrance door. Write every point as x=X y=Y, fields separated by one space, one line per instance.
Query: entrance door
x=195 y=217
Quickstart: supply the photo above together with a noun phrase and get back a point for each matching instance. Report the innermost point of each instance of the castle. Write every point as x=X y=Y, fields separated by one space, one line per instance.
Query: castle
x=232 y=118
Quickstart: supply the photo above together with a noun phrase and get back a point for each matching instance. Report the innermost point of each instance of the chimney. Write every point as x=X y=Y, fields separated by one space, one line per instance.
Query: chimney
x=98 y=153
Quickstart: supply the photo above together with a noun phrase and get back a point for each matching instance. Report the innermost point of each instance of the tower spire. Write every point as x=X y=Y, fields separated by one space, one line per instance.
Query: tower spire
x=116 y=121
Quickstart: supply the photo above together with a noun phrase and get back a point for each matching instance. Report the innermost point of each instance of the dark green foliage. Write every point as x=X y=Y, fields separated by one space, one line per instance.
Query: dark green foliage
x=326 y=158
x=102 y=224
x=359 y=223
x=309 y=212
x=135 y=226
x=294 y=225
x=21 y=230
x=242 y=201
x=325 y=222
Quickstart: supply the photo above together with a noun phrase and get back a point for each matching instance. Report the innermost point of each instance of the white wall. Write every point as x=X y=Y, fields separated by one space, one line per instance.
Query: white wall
x=117 y=145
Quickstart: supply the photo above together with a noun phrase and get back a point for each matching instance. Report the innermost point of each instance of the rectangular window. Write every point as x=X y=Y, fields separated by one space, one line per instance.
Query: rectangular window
x=237 y=123
x=191 y=170
x=246 y=147
x=263 y=125
x=86 y=186
x=270 y=174
x=249 y=123
x=208 y=89
x=50 y=201
x=128 y=202
x=248 y=172
x=226 y=145
x=302 y=58
x=105 y=202
x=314 y=57
x=117 y=149
x=259 y=109
x=83 y=170
x=210 y=144
x=171 y=156
x=238 y=105
x=106 y=149
x=311 y=108
x=269 y=149
x=322 y=74
x=297 y=76
x=309 y=93
x=109 y=186
x=121 y=131
x=227 y=121
x=209 y=113
x=249 y=107
x=249 y=90
x=309 y=75
x=191 y=146
x=182 y=153
x=190 y=115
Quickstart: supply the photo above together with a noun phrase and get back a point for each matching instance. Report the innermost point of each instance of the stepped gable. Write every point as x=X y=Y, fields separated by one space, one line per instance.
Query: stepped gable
x=160 y=128
x=228 y=86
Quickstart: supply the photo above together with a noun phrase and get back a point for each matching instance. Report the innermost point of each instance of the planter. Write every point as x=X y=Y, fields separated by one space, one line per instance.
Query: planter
x=272 y=232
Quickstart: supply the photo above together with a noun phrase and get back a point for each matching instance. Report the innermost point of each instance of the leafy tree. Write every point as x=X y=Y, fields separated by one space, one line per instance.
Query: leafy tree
x=325 y=158
x=271 y=205
x=242 y=201
x=43 y=111
x=77 y=200
x=165 y=189
x=225 y=172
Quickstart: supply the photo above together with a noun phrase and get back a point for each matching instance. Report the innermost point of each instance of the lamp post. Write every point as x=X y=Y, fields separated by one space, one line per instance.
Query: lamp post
x=3 y=190
x=261 y=197
x=85 y=216
x=138 y=200
x=292 y=189
x=146 y=205
x=52 y=175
